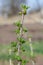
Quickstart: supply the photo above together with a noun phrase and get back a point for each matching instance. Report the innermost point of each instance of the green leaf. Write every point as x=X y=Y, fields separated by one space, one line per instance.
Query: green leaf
x=17 y=31
x=21 y=40
x=24 y=62
x=24 y=11
x=24 y=6
x=24 y=29
x=13 y=44
x=22 y=48
x=18 y=58
x=27 y=7
x=18 y=23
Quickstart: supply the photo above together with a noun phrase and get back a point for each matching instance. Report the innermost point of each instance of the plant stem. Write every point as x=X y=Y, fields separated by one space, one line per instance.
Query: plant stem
x=22 y=19
x=10 y=61
x=33 y=62
x=19 y=63
x=21 y=30
x=31 y=48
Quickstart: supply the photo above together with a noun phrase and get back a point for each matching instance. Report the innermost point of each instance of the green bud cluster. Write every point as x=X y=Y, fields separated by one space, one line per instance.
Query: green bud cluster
x=24 y=9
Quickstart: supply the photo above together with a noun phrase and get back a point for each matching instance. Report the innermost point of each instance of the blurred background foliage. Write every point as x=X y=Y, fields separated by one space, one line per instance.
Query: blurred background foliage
x=8 y=6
